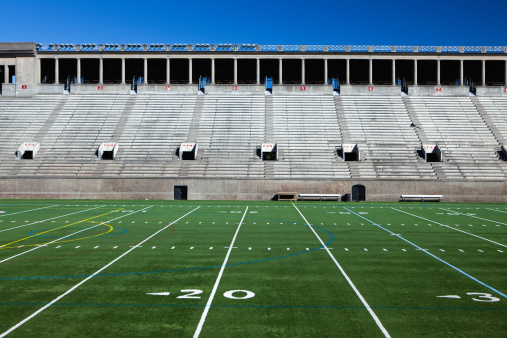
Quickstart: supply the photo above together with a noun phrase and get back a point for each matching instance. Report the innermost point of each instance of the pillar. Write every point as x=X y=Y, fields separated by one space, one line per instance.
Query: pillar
x=79 y=71
x=370 y=80
x=212 y=71
x=415 y=72
x=461 y=72
x=123 y=71
x=348 y=71
x=394 y=72
x=483 y=72
x=235 y=71
x=325 y=71
x=57 y=72
x=280 y=71
x=145 y=71
x=101 y=71
x=438 y=72
x=258 y=71
x=38 y=71
x=189 y=71
x=303 y=68
x=168 y=71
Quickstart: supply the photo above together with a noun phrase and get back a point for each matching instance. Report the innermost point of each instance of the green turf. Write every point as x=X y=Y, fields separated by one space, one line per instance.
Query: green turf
x=399 y=256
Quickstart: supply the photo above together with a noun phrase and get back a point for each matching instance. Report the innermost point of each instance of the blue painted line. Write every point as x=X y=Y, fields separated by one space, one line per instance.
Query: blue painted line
x=187 y=269
x=432 y=255
x=317 y=307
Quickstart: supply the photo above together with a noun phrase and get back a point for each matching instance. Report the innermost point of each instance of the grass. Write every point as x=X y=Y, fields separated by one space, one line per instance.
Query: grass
x=399 y=256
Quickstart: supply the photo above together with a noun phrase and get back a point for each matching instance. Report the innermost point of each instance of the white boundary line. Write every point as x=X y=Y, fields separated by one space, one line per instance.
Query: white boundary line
x=91 y=276
x=49 y=219
x=373 y=315
x=483 y=219
x=215 y=287
x=59 y=239
x=505 y=212
x=447 y=226
x=20 y=212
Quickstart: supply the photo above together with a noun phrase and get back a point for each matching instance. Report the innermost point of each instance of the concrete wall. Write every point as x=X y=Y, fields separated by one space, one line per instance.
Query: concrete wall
x=492 y=91
x=244 y=189
x=94 y=89
x=8 y=89
x=236 y=89
x=303 y=89
x=360 y=90
x=443 y=91
x=167 y=89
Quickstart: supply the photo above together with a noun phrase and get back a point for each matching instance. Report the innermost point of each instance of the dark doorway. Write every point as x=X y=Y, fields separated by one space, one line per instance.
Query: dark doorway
x=112 y=70
x=405 y=72
x=359 y=72
x=269 y=68
x=180 y=192
x=247 y=71
x=382 y=72
x=47 y=72
x=291 y=71
x=314 y=71
x=224 y=71
x=358 y=193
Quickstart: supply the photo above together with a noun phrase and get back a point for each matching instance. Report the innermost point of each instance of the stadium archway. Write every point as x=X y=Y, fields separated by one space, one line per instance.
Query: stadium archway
x=180 y=192
x=358 y=193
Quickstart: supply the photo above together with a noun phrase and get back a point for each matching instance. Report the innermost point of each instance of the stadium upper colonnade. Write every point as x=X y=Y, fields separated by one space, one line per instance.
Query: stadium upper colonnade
x=30 y=68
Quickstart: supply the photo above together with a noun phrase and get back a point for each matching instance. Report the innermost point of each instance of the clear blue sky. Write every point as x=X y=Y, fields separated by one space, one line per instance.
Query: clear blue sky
x=353 y=22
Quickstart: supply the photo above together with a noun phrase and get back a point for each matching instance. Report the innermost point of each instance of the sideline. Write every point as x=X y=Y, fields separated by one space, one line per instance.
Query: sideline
x=91 y=276
x=483 y=219
x=20 y=212
x=215 y=287
x=368 y=307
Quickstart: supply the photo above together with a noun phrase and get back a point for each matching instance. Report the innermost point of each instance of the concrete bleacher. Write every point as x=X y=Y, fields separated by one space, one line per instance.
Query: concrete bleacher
x=381 y=127
x=467 y=144
x=229 y=128
x=307 y=133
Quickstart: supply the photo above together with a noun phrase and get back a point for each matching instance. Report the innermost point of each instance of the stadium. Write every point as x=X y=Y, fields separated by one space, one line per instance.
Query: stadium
x=247 y=121
x=210 y=189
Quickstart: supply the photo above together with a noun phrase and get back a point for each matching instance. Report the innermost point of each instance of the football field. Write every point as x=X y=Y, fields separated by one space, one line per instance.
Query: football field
x=252 y=269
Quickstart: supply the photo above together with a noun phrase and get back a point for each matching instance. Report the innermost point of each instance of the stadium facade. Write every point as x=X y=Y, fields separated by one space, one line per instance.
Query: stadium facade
x=374 y=121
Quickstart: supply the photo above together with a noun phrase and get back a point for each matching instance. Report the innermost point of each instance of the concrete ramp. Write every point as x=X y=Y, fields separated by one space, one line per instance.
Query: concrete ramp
x=269 y=151
x=432 y=152
x=108 y=150
x=28 y=150
x=188 y=151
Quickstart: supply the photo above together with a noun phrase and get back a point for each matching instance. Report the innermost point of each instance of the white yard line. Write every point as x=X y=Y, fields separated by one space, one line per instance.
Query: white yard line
x=59 y=239
x=370 y=310
x=90 y=277
x=483 y=219
x=215 y=287
x=447 y=226
x=49 y=219
x=20 y=212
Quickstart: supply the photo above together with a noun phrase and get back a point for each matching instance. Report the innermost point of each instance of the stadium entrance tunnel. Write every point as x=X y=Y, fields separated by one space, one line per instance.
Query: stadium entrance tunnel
x=108 y=150
x=349 y=152
x=180 y=192
x=432 y=152
x=269 y=151
x=358 y=193
x=269 y=69
x=28 y=150
x=188 y=151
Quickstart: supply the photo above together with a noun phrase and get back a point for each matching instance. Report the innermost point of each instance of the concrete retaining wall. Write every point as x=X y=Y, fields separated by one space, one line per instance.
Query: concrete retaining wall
x=244 y=189
x=373 y=90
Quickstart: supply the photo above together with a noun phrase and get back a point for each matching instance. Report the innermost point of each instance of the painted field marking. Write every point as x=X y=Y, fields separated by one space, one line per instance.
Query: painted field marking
x=437 y=258
x=505 y=212
x=89 y=277
x=49 y=219
x=63 y=226
x=20 y=212
x=444 y=225
x=472 y=215
x=370 y=310
x=215 y=287
x=450 y=296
